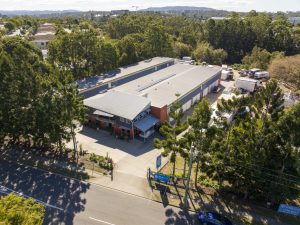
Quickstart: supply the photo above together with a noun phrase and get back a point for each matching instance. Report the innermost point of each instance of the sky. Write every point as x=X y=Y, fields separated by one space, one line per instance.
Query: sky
x=85 y=5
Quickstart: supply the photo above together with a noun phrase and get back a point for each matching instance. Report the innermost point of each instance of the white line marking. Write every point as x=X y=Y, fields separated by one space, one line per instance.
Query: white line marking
x=7 y=190
x=101 y=221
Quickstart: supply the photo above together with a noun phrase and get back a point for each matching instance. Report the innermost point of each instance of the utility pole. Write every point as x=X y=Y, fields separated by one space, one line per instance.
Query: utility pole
x=74 y=143
x=185 y=199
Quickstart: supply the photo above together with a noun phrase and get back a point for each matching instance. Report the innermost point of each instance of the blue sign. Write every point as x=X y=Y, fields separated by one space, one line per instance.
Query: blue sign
x=288 y=209
x=158 y=161
x=161 y=178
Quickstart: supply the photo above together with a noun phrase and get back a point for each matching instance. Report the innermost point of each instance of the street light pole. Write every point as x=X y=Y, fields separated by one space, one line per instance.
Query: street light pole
x=185 y=199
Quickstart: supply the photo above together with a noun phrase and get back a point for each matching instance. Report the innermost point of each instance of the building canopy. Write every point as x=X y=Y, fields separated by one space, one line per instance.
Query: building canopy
x=146 y=123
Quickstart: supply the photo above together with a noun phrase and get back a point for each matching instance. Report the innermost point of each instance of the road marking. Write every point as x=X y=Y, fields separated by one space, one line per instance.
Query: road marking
x=101 y=221
x=5 y=190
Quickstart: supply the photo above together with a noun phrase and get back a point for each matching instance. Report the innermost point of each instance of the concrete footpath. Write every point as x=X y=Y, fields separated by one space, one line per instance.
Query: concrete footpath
x=134 y=185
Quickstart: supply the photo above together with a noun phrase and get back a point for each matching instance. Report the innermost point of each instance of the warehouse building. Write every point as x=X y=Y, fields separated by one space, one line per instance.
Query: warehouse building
x=136 y=108
x=100 y=84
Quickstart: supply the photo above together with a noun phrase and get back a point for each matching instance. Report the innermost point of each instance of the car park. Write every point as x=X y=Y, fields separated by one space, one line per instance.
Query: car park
x=252 y=72
x=212 y=218
x=243 y=73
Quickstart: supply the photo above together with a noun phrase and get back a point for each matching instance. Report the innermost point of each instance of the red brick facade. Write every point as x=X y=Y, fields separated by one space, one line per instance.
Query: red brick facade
x=160 y=113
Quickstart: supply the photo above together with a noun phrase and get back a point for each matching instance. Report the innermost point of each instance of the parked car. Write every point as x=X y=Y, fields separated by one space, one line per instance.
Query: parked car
x=253 y=71
x=216 y=89
x=243 y=73
x=262 y=75
x=212 y=218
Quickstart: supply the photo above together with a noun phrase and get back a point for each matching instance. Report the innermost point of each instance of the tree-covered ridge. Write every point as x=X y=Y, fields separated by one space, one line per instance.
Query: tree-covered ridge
x=98 y=45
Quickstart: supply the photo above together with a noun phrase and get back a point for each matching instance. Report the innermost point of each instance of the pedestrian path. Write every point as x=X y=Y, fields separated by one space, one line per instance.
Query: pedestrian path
x=132 y=184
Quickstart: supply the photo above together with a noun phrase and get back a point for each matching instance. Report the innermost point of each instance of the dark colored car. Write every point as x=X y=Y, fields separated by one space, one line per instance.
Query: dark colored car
x=212 y=218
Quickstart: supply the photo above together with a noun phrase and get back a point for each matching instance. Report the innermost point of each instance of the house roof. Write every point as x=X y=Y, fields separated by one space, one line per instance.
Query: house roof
x=43 y=37
x=124 y=105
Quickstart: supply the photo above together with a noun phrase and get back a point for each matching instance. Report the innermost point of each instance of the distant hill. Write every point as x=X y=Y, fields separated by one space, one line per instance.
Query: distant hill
x=178 y=9
x=35 y=13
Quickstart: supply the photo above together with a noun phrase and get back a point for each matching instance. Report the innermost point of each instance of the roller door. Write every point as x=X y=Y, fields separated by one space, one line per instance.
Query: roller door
x=196 y=99
x=205 y=92
x=187 y=106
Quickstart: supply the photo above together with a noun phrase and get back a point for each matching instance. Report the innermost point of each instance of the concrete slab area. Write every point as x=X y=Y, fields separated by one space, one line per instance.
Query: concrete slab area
x=133 y=157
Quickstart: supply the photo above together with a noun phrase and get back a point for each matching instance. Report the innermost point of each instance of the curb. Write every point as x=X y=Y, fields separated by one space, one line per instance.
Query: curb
x=100 y=185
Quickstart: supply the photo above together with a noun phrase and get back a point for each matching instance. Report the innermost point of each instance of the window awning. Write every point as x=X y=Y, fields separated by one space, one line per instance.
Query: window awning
x=146 y=123
x=100 y=113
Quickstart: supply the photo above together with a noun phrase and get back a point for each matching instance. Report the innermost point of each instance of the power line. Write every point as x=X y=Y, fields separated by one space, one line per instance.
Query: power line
x=269 y=174
x=274 y=170
x=272 y=181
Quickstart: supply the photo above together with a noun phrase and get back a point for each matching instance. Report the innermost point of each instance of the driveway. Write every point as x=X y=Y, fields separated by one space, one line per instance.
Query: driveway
x=133 y=157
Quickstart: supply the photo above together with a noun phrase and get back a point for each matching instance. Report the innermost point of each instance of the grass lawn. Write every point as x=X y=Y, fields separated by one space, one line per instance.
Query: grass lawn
x=179 y=171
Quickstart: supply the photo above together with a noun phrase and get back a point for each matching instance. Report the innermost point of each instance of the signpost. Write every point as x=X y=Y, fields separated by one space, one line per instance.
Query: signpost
x=288 y=209
x=161 y=178
x=158 y=162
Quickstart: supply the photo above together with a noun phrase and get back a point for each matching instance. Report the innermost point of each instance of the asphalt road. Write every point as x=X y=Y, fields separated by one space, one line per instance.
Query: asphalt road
x=72 y=202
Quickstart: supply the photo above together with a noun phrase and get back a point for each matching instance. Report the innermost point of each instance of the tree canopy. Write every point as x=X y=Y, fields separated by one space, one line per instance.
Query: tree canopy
x=287 y=70
x=97 y=45
x=37 y=103
x=15 y=210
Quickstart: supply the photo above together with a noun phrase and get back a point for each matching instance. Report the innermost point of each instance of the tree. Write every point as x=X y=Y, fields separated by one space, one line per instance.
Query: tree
x=157 y=41
x=170 y=143
x=75 y=52
x=10 y=26
x=180 y=50
x=107 y=57
x=260 y=58
x=127 y=51
x=15 y=210
x=256 y=154
x=37 y=103
x=205 y=52
x=82 y=53
x=287 y=70
x=199 y=123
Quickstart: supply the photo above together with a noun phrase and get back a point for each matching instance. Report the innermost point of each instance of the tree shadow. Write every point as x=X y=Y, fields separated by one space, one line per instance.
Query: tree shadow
x=181 y=217
x=135 y=147
x=52 y=189
x=163 y=190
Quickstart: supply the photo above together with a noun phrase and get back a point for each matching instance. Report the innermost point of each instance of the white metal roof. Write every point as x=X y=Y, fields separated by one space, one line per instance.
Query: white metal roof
x=162 y=86
x=120 y=104
x=93 y=82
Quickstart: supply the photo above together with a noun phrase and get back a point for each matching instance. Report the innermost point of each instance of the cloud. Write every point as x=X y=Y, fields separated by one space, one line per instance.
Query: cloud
x=239 y=5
